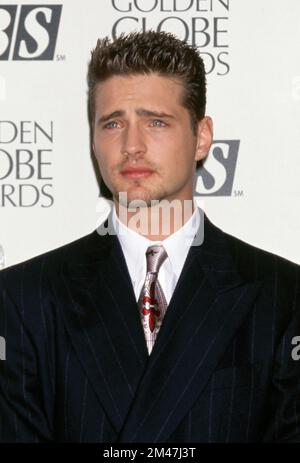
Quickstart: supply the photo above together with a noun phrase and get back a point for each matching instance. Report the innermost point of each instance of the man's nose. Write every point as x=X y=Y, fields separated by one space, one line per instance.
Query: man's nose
x=133 y=141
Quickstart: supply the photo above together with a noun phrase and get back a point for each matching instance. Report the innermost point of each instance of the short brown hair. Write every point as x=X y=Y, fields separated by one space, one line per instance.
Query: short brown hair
x=147 y=52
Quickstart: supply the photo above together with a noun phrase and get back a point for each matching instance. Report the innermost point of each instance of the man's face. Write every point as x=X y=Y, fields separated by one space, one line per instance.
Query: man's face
x=143 y=138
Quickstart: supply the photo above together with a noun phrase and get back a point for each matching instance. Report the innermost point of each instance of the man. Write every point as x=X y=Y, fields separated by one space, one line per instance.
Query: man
x=131 y=335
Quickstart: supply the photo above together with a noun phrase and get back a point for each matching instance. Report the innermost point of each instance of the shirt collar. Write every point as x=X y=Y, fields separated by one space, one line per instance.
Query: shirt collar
x=134 y=245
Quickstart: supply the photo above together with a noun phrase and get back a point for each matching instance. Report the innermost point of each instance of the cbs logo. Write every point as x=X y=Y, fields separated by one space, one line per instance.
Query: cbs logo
x=28 y=32
x=216 y=173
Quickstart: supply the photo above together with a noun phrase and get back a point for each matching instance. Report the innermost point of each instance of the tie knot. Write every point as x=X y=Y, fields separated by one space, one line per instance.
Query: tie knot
x=155 y=256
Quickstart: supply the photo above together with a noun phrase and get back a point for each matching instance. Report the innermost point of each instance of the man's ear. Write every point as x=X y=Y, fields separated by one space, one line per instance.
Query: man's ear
x=204 y=137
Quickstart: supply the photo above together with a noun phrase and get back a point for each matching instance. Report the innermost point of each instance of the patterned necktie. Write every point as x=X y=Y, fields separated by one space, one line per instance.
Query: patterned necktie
x=152 y=302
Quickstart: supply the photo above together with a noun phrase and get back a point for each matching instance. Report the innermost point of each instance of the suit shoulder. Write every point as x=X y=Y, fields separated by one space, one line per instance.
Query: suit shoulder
x=241 y=247
x=253 y=262
x=252 y=259
x=52 y=259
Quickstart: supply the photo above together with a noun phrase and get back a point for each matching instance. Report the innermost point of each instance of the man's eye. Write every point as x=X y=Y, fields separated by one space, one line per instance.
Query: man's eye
x=158 y=123
x=111 y=125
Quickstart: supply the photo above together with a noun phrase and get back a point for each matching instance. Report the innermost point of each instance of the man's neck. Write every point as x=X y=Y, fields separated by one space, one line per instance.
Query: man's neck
x=156 y=222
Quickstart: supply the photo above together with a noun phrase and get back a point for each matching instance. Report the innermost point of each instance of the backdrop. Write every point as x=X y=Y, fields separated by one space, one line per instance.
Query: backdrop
x=249 y=185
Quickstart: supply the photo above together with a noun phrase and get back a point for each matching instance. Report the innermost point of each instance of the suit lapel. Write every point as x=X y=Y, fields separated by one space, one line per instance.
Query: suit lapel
x=100 y=314
x=209 y=304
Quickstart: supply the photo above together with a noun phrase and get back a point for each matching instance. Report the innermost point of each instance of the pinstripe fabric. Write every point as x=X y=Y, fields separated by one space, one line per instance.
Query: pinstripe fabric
x=221 y=370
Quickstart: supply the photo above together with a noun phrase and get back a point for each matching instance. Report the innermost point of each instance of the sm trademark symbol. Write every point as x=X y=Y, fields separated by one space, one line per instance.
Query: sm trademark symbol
x=60 y=57
x=28 y=32
x=238 y=193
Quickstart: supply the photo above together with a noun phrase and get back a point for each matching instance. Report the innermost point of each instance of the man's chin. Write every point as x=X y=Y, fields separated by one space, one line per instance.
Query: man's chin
x=136 y=200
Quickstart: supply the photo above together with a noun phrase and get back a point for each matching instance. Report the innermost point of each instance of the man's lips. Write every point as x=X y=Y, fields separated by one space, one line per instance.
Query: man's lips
x=136 y=172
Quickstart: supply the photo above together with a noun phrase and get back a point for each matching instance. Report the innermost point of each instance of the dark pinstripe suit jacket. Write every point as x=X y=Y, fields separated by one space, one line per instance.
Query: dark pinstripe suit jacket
x=221 y=370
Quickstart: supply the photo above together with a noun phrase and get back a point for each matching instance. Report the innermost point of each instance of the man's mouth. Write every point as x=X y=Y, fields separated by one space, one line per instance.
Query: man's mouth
x=136 y=172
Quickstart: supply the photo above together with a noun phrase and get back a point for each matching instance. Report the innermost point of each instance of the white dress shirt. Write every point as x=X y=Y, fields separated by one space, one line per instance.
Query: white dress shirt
x=134 y=246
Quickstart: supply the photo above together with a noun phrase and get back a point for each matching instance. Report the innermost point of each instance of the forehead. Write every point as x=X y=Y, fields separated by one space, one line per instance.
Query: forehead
x=136 y=90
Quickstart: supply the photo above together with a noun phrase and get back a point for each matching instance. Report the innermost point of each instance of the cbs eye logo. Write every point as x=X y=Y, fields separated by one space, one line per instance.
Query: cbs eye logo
x=28 y=32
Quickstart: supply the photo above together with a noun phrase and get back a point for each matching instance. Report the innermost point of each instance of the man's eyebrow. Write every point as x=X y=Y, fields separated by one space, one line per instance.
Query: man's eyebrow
x=107 y=117
x=149 y=113
x=140 y=112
